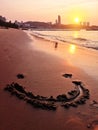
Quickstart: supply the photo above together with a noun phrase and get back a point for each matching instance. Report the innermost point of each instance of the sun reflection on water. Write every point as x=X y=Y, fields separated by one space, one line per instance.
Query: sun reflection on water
x=76 y=34
x=72 y=49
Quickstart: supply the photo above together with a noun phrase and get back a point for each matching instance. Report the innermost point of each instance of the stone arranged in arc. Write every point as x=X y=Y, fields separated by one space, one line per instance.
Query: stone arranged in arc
x=20 y=76
x=49 y=103
x=67 y=75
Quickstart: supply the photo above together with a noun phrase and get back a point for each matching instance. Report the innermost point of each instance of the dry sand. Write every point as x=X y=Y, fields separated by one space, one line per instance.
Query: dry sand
x=43 y=70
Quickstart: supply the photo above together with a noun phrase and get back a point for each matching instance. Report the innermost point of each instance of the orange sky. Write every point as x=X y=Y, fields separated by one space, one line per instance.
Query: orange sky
x=47 y=10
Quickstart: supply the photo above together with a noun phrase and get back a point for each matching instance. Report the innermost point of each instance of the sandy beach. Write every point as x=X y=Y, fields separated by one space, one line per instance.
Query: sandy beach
x=42 y=66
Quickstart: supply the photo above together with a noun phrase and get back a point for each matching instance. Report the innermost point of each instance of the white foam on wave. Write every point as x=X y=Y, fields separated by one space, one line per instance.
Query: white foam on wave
x=84 y=58
x=86 y=41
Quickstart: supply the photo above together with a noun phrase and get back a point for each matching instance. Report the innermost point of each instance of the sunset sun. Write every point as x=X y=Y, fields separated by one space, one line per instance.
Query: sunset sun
x=77 y=20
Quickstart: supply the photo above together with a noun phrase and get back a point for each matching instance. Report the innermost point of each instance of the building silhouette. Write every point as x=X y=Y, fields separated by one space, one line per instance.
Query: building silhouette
x=59 y=20
x=85 y=24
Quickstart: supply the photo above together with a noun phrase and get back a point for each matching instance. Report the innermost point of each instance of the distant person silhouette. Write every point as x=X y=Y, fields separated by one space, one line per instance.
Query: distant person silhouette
x=56 y=44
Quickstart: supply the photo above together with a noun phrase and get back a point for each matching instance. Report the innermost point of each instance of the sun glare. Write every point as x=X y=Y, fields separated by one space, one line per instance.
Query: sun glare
x=77 y=20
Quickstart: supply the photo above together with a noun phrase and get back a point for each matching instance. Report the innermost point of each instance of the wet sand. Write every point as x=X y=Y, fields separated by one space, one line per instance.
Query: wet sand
x=43 y=68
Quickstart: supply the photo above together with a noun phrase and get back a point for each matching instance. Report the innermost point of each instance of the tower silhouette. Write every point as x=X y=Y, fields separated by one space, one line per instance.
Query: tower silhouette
x=59 y=19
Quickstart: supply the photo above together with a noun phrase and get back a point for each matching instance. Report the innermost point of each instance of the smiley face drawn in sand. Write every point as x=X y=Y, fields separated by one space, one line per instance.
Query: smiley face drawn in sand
x=73 y=98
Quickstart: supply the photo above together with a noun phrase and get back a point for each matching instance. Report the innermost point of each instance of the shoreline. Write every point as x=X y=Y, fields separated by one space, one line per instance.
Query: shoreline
x=74 y=52
x=69 y=59
x=43 y=70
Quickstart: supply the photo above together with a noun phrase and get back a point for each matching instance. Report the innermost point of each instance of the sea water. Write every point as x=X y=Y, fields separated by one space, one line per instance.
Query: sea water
x=85 y=55
x=84 y=38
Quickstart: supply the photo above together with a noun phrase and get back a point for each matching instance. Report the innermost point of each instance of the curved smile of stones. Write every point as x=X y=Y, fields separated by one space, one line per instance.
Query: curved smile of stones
x=73 y=98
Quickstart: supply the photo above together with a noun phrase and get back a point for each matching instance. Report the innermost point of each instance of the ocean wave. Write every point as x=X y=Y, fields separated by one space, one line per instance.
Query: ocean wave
x=80 y=39
x=69 y=40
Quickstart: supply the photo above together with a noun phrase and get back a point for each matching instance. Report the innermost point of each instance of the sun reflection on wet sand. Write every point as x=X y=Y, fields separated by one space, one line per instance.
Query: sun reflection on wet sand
x=72 y=49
